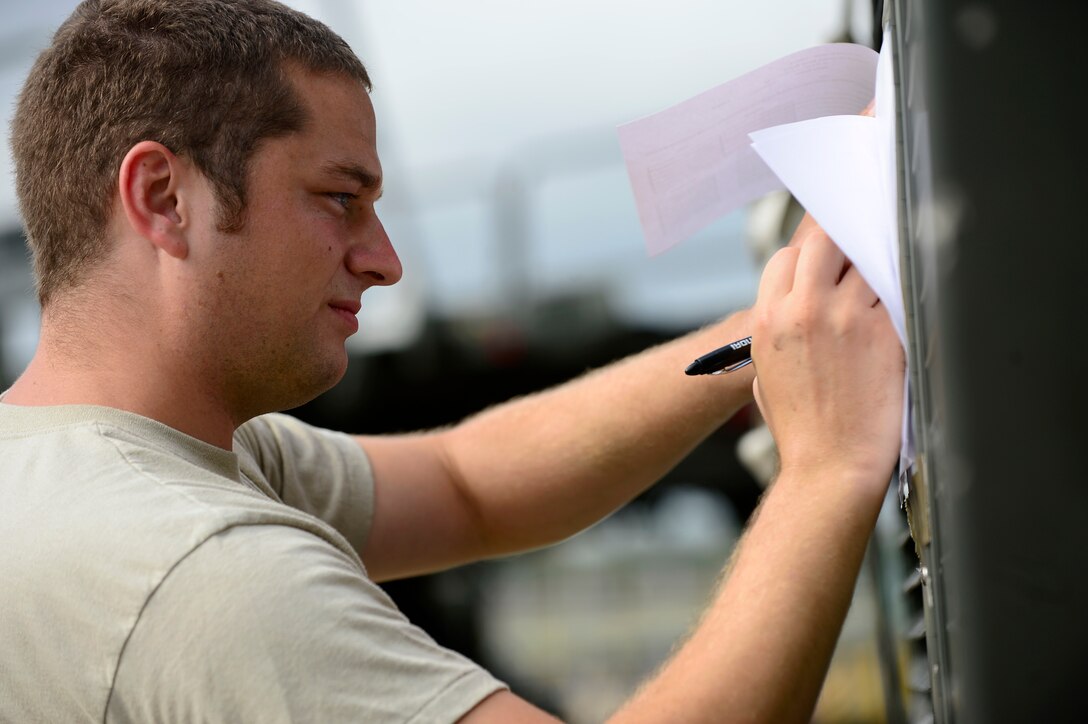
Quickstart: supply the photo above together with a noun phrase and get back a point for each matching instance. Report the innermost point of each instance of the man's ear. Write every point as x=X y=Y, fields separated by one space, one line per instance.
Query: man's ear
x=148 y=182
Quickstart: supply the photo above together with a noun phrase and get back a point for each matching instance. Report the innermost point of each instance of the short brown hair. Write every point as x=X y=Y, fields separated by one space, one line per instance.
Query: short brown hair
x=206 y=78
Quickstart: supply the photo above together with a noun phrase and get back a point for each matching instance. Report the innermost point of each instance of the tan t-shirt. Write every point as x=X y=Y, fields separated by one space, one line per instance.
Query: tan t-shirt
x=146 y=576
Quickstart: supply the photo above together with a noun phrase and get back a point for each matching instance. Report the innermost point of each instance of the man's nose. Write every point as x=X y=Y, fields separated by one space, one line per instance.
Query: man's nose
x=372 y=256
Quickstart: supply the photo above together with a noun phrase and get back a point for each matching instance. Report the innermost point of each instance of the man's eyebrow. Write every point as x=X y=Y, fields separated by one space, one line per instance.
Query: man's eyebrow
x=368 y=180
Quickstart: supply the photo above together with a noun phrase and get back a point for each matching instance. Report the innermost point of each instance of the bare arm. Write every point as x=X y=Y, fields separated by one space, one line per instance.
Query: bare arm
x=538 y=469
x=830 y=385
x=542 y=467
x=762 y=649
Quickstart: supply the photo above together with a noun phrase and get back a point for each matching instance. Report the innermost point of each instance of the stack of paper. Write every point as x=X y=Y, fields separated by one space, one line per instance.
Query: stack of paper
x=791 y=124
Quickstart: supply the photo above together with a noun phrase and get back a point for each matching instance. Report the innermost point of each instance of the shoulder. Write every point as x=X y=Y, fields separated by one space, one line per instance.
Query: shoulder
x=281 y=446
x=262 y=621
x=278 y=430
x=320 y=472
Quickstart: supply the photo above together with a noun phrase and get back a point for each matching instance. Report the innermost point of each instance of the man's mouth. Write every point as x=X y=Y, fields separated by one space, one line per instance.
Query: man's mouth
x=350 y=306
x=347 y=311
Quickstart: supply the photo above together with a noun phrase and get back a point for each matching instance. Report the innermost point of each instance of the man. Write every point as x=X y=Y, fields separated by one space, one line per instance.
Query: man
x=198 y=180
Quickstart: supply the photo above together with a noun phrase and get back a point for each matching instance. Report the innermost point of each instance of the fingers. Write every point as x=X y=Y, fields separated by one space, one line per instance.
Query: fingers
x=869 y=110
x=855 y=288
x=819 y=264
x=778 y=274
x=806 y=228
x=813 y=265
x=755 y=393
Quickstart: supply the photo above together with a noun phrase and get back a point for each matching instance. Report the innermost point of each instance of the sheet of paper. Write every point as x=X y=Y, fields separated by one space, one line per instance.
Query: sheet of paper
x=842 y=170
x=693 y=163
x=831 y=167
x=790 y=124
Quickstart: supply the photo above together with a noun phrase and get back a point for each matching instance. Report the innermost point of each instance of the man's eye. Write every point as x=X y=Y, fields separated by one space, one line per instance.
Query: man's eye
x=344 y=199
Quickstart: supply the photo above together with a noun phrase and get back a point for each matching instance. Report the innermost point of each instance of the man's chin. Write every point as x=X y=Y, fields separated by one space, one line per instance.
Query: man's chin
x=305 y=388
x=327 y=380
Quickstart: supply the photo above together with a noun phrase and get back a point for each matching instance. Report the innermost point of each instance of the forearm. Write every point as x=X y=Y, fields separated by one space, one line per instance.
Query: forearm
x=543 y=467
x=830 y=387
x=761 y=652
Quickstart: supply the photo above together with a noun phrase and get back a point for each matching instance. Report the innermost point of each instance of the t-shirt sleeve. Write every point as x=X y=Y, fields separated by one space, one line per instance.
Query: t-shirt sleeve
x=270 y=624
x=320 y=472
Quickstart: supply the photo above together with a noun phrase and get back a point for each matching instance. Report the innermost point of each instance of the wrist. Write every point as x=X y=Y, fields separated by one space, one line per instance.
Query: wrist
x=855 y=486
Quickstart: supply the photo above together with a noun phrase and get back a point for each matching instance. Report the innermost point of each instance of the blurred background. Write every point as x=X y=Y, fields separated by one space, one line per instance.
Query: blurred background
x=508 y=201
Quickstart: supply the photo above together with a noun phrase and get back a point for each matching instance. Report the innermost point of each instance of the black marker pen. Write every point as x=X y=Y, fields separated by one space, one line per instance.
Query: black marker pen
x=731 y=357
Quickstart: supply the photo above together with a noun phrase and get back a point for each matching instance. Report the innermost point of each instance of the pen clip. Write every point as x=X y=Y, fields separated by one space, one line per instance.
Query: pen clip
x=733 y=367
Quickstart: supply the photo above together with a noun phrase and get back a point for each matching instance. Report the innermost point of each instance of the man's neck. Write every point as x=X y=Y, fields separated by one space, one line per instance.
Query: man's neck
x=134 y=379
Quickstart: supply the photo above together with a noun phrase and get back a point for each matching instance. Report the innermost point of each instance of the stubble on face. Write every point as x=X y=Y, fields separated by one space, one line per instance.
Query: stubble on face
x=268 y=361
x=268 y=333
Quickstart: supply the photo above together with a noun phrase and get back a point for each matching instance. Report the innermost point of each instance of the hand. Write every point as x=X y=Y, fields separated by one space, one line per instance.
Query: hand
x=806 y=228
x=829 y=365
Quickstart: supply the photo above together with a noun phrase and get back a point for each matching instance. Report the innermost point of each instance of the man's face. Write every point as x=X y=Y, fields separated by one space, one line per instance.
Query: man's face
x=286 y=288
